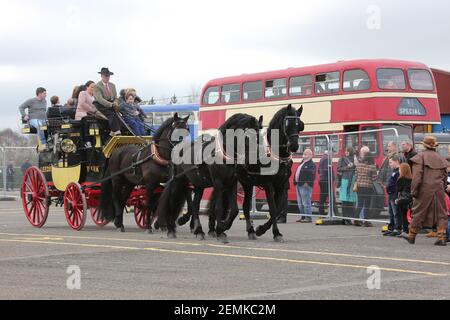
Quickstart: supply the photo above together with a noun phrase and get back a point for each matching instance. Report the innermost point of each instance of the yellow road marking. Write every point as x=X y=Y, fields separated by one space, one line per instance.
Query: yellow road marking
x=231 y=247
x=224 y=255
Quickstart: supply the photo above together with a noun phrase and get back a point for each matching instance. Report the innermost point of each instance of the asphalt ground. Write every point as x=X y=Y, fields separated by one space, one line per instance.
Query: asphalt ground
x=315 y=262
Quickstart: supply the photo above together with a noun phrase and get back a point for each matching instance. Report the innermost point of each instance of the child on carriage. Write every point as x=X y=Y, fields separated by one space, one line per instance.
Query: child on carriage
x=131 y=113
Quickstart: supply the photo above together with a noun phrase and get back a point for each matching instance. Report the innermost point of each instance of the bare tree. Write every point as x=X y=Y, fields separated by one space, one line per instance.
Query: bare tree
x=194 y=93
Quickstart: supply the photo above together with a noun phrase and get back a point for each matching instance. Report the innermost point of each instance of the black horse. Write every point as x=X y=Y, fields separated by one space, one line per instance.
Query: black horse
x=206 y=174
x=154 y=170
x=276 y=185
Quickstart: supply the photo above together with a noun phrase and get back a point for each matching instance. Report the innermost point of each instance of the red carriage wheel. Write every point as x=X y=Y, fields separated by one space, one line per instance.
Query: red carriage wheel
x=75 y=206
x=95 y=215
x=35 y=197
x=140 y=215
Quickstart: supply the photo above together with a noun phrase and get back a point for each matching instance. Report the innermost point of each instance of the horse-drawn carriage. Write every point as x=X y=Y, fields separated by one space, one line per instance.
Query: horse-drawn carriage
x=71 y=170
x=80 y=172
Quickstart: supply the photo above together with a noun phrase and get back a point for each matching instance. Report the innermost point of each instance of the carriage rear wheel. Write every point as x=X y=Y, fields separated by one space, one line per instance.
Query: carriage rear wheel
x=140 y=215
x=95 y=215
x=35 y=197
x=75 y=206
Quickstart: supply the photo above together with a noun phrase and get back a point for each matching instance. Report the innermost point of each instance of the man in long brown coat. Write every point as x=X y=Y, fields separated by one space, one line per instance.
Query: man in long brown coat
x=428 y=190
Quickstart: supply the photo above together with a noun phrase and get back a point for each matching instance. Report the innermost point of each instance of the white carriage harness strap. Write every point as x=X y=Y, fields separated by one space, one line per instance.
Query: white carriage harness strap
x=220 y=150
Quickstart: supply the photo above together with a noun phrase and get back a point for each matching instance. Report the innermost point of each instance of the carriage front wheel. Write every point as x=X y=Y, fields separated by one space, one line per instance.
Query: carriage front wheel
x=35 y=197
x=140 y=215
x=75 y=206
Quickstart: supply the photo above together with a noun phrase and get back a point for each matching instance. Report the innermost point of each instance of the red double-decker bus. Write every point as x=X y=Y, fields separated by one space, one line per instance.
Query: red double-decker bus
x=342 y=97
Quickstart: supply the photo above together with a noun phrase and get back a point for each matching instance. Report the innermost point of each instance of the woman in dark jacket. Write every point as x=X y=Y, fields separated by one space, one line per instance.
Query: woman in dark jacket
x=404 y=198
x=346 y=170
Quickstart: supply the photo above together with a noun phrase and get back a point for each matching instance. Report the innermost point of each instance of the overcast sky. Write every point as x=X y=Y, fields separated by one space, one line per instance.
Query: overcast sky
x=164 y=47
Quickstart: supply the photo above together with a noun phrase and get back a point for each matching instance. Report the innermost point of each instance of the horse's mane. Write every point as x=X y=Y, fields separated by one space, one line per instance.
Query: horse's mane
x=239 y=120
x=164 y=126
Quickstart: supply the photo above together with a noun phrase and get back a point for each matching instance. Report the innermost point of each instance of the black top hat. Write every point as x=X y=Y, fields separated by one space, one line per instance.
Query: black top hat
x=106 y=71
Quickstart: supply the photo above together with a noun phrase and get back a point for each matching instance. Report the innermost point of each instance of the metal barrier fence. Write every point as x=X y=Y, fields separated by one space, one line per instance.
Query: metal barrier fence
x=347 y=185
x=14 y=162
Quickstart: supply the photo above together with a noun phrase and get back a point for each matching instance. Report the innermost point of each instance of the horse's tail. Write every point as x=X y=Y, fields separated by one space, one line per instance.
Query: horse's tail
x=171 y=203
x=106 y=209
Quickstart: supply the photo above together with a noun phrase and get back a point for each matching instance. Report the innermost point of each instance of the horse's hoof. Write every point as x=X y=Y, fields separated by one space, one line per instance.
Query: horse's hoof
x=252 y=236
x=259 y=232
x=157 y=225
x=212 y=234
x=171 y=235
x=182 y=221
x=223 y=238
x=121 y=229
x=149 y=231
x=279 y=239
x=200 y=236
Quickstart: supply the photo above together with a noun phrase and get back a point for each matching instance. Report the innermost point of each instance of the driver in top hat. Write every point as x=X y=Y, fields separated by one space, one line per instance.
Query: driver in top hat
x=105 y=95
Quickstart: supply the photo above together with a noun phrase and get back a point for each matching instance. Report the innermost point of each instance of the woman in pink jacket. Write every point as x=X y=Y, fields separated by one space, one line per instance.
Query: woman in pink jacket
x=85 y=101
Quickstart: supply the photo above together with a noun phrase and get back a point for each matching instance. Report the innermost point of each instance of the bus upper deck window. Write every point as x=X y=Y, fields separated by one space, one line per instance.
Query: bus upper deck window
x=231 y=93
x=253 y=91
x=276 y=88
x=328 y=83
x=300 y=86
x=420 y=80
x=356 y=80
x=211 y=96
x=391 y=79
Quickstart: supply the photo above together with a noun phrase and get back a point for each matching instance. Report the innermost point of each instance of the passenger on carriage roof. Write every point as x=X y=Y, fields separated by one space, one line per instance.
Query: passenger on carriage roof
x=131 y=114
x=55 y=110
x=86 y=101
x=37 y=113
x=105 y=94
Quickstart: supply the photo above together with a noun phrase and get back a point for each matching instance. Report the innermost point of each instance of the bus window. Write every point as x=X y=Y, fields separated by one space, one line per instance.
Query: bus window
x=304 y=143
x=405 y=133
x=231 y=93
x=444 y=150
x=336 y=145
x=321 y=145
x=253 y=91
x=211 y=96
x=391 y=79
x=149 y=120
x=276 y=88
x=328 y=83
x=352 y=141
x=191 y=114
x=356 y=80
x=300 y=86
x=161 y=117
x=420 y=80
x=370 y=140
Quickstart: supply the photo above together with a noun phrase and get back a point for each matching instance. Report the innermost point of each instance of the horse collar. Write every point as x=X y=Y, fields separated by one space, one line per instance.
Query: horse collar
x=269 y=152
x=157 y=156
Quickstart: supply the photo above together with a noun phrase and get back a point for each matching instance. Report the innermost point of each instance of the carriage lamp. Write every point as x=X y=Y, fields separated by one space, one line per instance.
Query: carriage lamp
x=68 y=146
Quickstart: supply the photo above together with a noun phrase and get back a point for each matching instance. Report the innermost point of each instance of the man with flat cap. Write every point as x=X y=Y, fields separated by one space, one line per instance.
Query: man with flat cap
x=105 y=95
